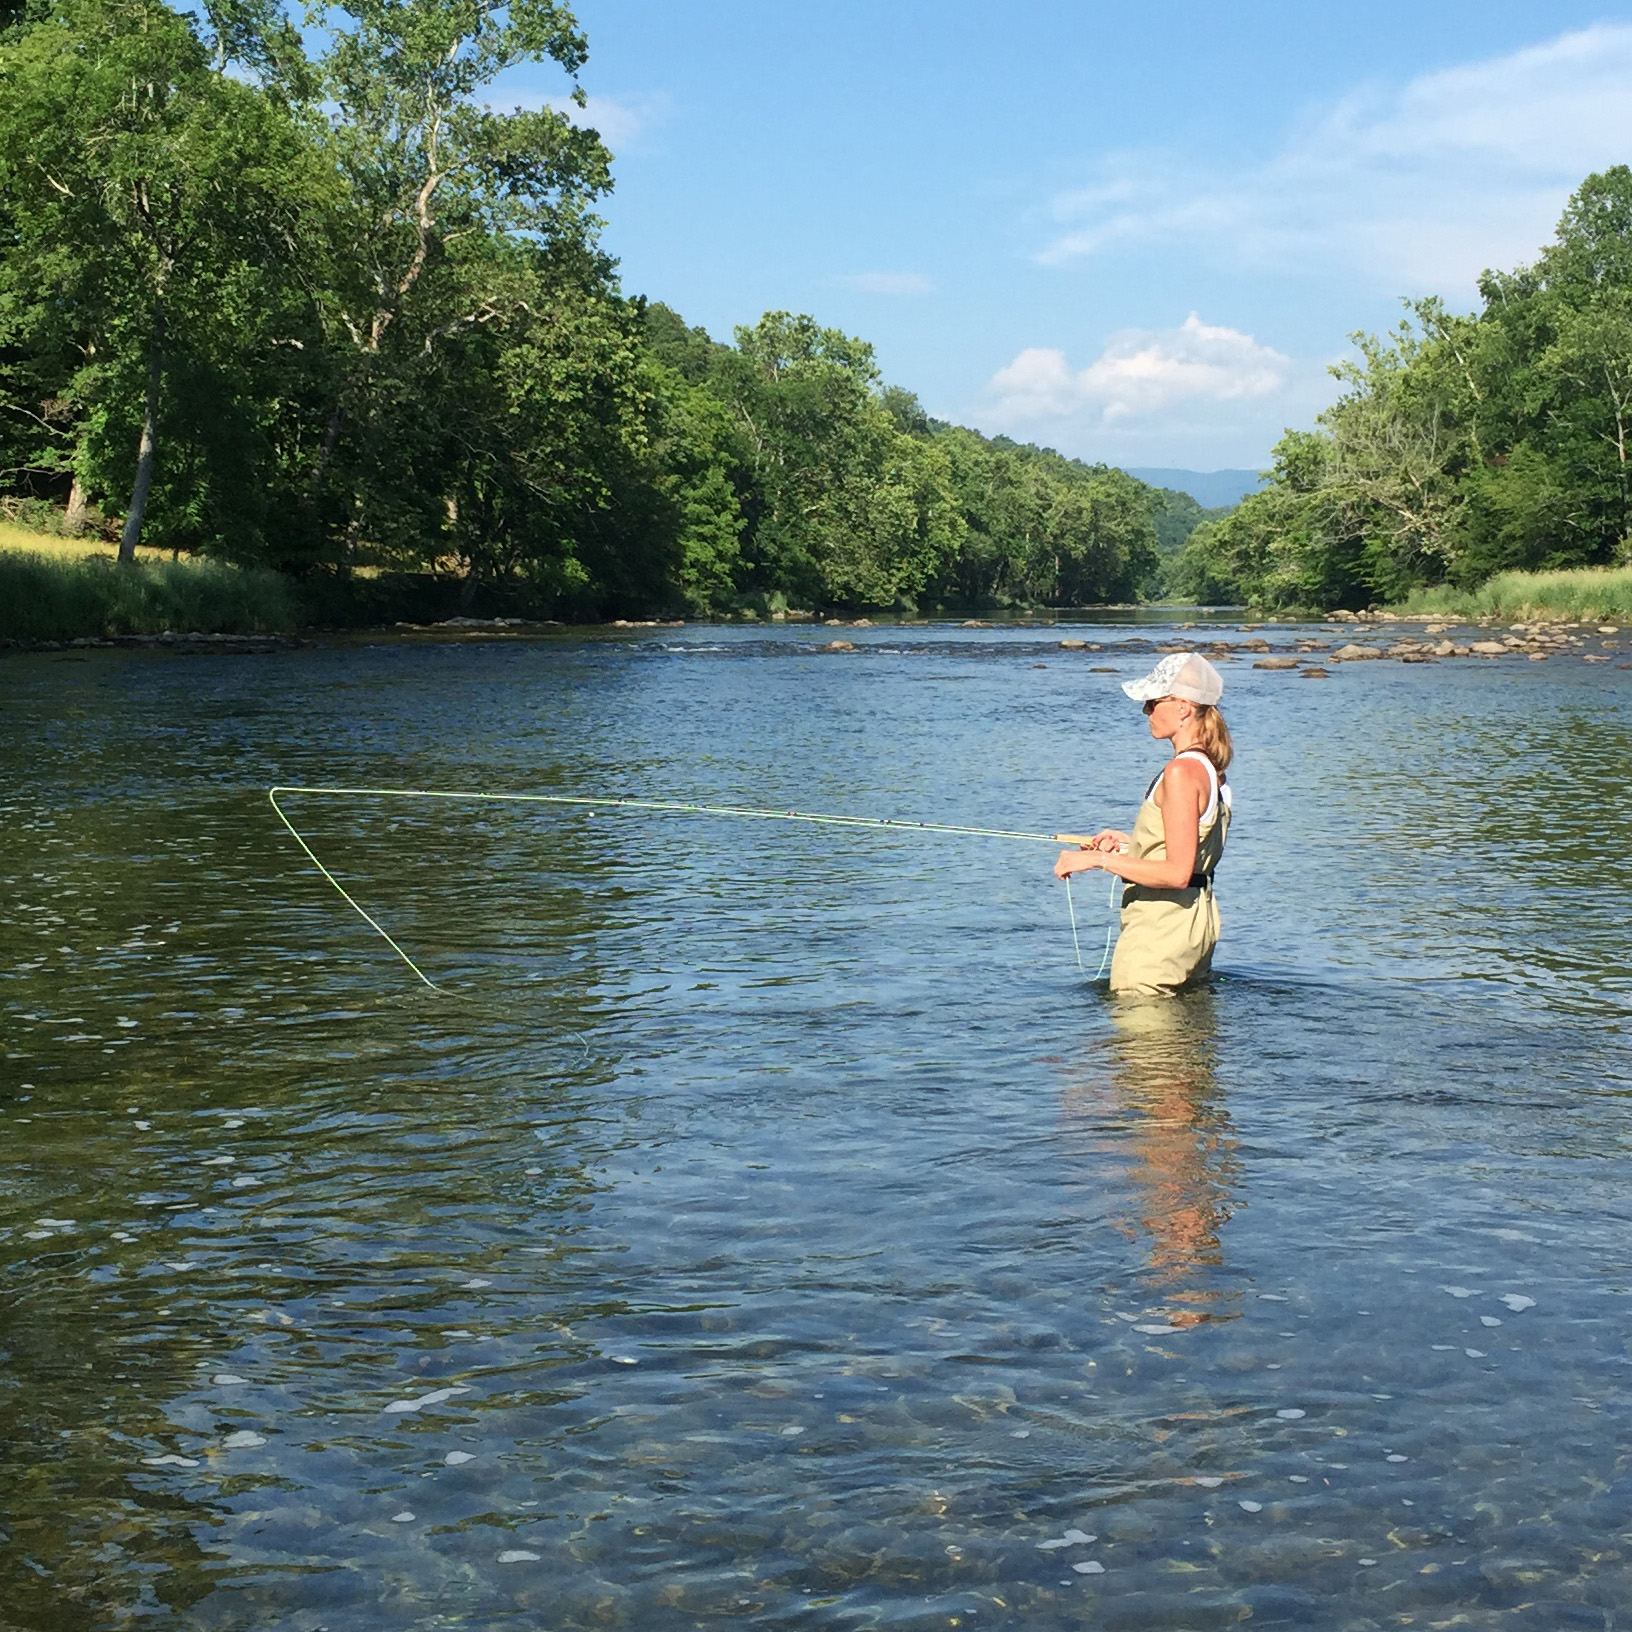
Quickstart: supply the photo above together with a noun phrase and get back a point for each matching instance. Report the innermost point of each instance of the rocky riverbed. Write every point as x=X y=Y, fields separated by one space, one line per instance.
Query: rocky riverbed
x=1389 y=638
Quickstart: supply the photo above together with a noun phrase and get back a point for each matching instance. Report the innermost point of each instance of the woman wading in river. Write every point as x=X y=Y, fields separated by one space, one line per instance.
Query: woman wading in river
x=1169 y=916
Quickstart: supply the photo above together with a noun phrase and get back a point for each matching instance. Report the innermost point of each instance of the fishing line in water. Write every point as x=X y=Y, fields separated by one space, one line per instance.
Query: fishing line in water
x=668 y=806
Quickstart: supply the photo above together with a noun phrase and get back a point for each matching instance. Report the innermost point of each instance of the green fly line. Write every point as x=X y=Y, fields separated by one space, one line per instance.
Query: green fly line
x=667 y=806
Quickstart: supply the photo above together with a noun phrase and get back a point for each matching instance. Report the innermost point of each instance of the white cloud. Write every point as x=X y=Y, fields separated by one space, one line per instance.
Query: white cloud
x=890 y=283
x=619 y=122
x=1417 y=187
x=1038 y=384
x=1141 y=372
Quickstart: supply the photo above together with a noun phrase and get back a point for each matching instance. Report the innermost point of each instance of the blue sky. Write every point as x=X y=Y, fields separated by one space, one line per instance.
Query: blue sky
x=1137 y=233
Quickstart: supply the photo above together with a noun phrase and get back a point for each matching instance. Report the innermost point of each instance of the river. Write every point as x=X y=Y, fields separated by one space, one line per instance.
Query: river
x=770 y=1223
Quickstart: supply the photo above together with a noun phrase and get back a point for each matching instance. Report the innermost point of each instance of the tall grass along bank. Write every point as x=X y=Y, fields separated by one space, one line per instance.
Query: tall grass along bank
x=57 y=547
x=46 y=598
x=1579 y=593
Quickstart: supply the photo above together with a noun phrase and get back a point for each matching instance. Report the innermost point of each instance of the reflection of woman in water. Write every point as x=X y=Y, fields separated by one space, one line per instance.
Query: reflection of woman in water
x=1169 y=916
x=1159 y=1114
x=1181 y=1142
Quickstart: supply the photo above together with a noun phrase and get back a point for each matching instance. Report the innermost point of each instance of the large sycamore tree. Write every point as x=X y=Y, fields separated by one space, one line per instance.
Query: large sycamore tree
x=149 y=201
x=482 y=358
x=287 y=301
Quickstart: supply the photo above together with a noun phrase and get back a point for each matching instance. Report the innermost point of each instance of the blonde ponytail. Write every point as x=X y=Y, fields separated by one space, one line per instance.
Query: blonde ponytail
x=1213 y=736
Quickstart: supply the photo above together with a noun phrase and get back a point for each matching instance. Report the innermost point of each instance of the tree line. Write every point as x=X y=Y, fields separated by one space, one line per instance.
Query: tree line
x=307 y=298
x=1463 y=445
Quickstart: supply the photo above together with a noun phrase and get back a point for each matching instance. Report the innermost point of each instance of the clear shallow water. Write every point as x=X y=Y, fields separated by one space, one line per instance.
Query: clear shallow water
x=772 y=1226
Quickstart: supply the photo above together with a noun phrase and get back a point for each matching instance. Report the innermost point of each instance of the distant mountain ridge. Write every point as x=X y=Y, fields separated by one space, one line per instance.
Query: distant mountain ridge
x=1209 y=488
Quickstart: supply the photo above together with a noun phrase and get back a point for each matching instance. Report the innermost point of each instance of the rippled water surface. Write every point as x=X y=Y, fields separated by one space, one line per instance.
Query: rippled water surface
x=769 y=1224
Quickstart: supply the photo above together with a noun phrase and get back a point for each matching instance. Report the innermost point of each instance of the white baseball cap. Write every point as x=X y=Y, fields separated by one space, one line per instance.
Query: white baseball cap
x=1179 y=674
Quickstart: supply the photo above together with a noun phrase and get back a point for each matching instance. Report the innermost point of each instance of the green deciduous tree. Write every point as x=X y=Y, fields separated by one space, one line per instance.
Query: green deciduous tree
x=151 y=203
x=844 y=507
x=1467 y=445
x=1044 y=529
x=442 y=194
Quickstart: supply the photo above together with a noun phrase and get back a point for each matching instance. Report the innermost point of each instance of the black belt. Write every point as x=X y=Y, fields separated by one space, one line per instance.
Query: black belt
x=1198 y=881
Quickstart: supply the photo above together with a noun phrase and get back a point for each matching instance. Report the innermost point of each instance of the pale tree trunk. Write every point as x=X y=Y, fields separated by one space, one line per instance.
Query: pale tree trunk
x=354 y=531
x=73 y=523
x=467 y=579
x=367 y=339
x=325 y=451
x=1622 y=402
x=149 y=443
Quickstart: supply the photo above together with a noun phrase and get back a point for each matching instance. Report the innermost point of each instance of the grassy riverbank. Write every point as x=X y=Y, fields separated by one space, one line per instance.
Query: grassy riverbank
x=68 y=589
x=57 y=589
x=59 y=547
x=60 y=589
x=1583 y=594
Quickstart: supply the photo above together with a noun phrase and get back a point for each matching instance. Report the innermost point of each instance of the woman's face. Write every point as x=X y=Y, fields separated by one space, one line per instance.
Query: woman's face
x=1166 y=715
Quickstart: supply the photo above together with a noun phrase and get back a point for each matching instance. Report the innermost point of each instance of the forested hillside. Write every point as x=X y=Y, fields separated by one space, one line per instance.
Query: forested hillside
x=304 y=300
x=1463 y=446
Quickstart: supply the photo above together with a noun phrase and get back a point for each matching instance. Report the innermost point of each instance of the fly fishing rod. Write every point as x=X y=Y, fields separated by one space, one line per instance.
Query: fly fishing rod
x=665 y=806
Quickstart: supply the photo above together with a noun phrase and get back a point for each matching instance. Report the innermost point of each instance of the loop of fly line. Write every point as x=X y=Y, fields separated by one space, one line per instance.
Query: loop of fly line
x=671 y=806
